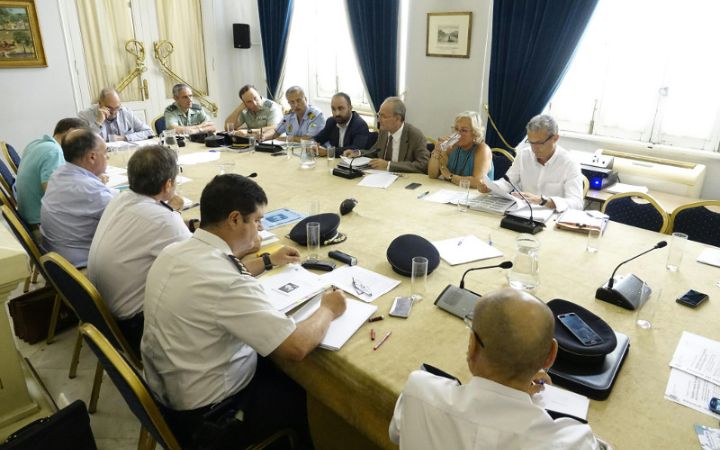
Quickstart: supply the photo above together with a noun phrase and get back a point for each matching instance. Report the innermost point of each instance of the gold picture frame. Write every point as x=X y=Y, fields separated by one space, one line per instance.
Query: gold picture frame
x=448 y=34
x=20 y=39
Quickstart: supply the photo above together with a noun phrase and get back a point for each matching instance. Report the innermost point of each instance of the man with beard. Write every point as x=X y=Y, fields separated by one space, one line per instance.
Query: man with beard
x=345 y=129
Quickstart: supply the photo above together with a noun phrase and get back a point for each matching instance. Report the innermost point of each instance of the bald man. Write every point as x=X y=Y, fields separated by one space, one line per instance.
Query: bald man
x=510 y=346
x=114 y=122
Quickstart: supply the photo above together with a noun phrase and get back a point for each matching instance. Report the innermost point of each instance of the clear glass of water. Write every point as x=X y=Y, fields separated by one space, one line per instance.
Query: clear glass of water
x=525 y=273
x=675 y=251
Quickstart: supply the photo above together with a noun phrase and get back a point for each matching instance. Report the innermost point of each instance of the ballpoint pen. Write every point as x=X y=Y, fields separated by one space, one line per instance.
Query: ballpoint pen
x=460 y=242
x=382 y=341
x=423 y=194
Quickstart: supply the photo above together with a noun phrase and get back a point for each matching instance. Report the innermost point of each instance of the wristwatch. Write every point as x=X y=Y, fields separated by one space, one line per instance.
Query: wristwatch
x=266 y=261
x=543 y=200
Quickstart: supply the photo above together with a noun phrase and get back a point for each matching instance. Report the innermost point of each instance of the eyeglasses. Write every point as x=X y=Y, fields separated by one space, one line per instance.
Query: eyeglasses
x=468 y=323
x=539 y=143
x=461 y=130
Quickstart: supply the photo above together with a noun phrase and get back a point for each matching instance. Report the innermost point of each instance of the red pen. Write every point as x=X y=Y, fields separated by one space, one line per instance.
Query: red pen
x=372 y=334
x=382 y=341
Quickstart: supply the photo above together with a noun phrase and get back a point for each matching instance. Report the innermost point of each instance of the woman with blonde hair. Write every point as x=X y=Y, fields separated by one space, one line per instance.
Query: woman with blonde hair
x=469 y=158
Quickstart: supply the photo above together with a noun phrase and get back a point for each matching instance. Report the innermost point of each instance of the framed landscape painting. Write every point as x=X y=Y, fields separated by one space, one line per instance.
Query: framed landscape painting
x=20 y=40
x=448 y=34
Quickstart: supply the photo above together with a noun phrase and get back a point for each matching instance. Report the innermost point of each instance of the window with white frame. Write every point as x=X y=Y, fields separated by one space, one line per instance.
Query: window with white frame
x=648 y=71
x=321 y=56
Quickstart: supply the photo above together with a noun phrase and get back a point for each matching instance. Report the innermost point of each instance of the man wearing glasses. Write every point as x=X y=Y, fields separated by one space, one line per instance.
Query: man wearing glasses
x=544 y=171
x=510 y=345
x=114 y=122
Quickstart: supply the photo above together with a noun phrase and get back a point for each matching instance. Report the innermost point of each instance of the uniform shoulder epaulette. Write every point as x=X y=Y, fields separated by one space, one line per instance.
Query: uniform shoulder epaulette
x=171 y=108
x=196 y=107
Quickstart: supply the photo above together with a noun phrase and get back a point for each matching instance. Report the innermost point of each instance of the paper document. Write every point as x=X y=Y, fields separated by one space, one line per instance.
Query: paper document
x=198 y=157
x=359 y=162
x=342 y=328
x=117 y=181
x=112 y=170
x=187 y=204
x=691 y=391
x=465 y=249
x=497 y=190
x=267 y=238
x=378 y=180
x=710 y=256
x=280 y=217
x=291 y=287
x=619 y=188
x=446 y=196
x=698 y=356
x=367 y=285
x=539 y=213
x=562 y=401
x=709 y=437
x=117 y=145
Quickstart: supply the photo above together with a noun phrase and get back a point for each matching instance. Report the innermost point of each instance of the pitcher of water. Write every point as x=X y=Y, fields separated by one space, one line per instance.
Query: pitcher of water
x=525 y=272
x=308 y=153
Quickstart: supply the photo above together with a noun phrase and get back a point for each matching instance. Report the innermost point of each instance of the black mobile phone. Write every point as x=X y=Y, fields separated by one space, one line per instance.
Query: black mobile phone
x=692 y=298
x=413 y=186
x=401 y=307
x=580 y=329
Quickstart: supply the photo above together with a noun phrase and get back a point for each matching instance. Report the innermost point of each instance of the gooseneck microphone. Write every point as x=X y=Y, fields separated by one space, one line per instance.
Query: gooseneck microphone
x=502 y=265
x=628 y=292
x=520 y=224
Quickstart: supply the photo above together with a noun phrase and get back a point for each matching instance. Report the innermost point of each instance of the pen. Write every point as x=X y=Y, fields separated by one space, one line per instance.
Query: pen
x=460 y=242
x=376 y=318
x=490 y=239
x=382 y=341
x=372 y=334
x=423 y=194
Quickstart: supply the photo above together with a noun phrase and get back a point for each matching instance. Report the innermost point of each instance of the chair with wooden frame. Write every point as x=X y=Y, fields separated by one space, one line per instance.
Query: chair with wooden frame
x=502 y=160
x=647 y=213
x=90 y=307
x=11 y=156
x=7 y=180
x=698 y=221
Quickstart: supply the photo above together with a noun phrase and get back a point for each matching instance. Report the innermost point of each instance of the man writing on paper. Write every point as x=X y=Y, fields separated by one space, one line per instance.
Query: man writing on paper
x=207 y=319
x=400 y=147
x=544 y=171
x=509 y=347
x=114 y=122
x=254 y=113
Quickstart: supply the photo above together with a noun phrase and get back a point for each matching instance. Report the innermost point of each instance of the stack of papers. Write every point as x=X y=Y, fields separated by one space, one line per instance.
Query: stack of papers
x=465 y=249
x=381 y=180
x=342 y=328
x=291 y=287
x=577 y=220
x=360 y=162
x=539 y=213
x=710 y=256
x=449 y=196
x=619 y=188
x=695 y=374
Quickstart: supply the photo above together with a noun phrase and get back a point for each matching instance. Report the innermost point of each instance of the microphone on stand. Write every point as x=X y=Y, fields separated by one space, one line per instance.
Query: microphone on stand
x=628 y=292
x=520 y=224
x=459 y=301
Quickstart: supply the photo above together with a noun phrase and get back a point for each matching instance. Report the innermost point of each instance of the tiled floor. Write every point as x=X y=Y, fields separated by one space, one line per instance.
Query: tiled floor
x=114 y=426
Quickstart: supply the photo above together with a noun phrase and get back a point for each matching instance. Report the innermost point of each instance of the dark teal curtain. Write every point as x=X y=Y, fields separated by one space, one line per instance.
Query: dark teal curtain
x=374 y=30
x=275 y=18
x=533 y=42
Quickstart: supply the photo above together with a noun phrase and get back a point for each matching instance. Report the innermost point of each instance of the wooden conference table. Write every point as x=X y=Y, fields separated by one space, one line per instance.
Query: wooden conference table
x=352 y=392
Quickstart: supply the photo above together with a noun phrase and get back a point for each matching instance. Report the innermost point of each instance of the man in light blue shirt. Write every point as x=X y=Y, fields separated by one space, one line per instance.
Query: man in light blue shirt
x=39 y=160
x=113 y=121
x=76 y=197
x=303 y=121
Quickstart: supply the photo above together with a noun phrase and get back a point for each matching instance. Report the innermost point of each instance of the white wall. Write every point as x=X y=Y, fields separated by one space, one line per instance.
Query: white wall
x=438 y=88
x=34 y=99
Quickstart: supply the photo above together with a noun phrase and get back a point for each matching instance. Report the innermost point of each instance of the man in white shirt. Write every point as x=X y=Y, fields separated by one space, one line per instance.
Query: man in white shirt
x=510 y=344
x=544 y=171
x=207 y=319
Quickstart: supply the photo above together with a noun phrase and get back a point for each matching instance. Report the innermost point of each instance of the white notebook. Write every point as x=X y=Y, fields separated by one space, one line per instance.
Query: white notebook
x=342 y=328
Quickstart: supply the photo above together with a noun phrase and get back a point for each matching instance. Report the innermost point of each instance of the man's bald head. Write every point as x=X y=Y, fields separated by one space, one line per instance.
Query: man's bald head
x=517 y=331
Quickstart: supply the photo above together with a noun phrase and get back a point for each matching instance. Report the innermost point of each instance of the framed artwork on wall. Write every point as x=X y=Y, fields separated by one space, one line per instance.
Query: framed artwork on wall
x=20 y=40
x=448 y=34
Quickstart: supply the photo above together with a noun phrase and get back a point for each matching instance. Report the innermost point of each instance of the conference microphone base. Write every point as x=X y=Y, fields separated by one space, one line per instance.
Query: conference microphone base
x=457 y=301
x=521 y=225
x=344 y=172
x=629 y=292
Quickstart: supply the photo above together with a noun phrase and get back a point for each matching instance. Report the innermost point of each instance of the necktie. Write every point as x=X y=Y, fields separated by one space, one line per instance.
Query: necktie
x=388 y=146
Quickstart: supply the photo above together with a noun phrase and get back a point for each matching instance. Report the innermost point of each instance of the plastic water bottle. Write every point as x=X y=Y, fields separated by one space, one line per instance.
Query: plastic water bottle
x=452 y=140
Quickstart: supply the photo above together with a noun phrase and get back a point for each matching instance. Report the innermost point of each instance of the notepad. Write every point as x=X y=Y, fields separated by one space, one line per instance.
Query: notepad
x=381 y=180
x=342 y=328
x=375 y=283
x=710 y=256
x=465 y=249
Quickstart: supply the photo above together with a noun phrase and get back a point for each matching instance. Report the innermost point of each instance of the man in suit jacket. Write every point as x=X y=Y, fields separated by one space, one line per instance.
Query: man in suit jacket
x=400 y=147
x=345 y=129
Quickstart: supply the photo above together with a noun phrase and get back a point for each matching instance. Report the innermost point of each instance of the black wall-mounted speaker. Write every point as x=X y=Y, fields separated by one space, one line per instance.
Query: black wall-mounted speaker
x=241 y=35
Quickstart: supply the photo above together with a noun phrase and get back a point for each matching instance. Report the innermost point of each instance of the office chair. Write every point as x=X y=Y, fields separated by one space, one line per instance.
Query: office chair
x=700 y=223
x=11 y=156
x=7 y=181
x=159 y=124
x=502 y=160
x=647 y=214
x=133 y=389
x=90 y=307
